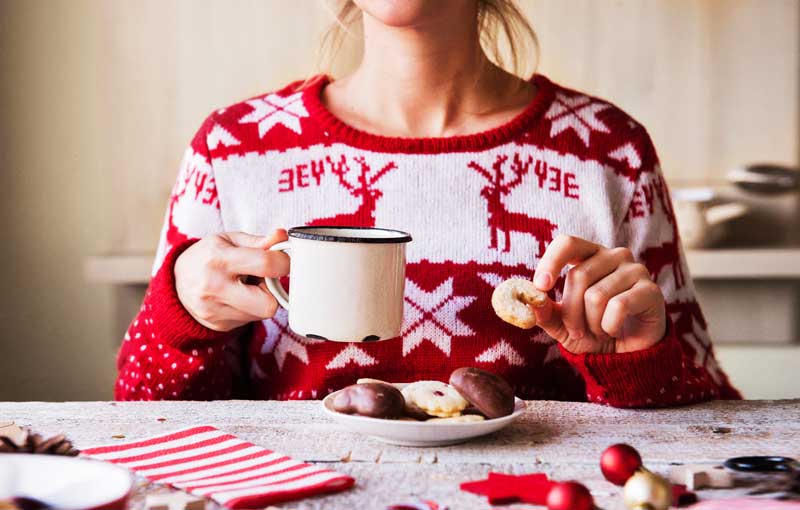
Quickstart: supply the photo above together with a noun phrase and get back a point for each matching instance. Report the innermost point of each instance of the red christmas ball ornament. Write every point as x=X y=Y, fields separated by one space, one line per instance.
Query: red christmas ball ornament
x=569 y=496
x=619 y=462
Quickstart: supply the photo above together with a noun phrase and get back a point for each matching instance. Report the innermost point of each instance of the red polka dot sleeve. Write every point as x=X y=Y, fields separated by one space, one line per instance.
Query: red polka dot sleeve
x=166 y=354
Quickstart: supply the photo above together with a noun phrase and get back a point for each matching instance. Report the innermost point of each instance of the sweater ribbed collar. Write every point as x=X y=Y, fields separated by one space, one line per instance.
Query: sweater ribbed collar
x=340 y=131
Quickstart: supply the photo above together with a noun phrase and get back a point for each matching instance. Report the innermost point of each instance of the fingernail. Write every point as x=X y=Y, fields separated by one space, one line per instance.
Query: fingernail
x=543 y=280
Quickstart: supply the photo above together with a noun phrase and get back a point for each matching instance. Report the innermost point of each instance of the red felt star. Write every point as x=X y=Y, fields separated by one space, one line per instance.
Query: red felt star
x=501 y=489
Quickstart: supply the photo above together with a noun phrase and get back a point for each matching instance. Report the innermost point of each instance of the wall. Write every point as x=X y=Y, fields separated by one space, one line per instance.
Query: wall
x=166 y=65
x=715 y=81
x=54 y=328
x=99 y=98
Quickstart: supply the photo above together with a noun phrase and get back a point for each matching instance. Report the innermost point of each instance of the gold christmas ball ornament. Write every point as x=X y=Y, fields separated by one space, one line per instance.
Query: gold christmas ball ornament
x=647 y=491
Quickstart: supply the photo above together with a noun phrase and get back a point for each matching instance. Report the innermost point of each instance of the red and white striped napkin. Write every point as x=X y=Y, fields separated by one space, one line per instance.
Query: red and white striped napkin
x=211 y=463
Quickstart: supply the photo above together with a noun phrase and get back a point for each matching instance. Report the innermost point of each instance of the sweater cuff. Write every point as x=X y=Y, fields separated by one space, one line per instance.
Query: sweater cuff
x=176 y=327
x=631 y=379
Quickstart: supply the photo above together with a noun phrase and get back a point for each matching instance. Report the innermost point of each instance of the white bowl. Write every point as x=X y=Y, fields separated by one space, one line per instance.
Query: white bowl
x=419 y=433
x=66 y=483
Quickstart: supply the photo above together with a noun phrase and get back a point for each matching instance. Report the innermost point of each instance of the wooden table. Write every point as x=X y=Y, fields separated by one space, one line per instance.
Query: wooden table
x=563 y=439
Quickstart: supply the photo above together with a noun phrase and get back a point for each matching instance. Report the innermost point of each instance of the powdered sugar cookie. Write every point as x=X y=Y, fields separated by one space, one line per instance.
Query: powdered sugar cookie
x=510 y=301
x=464 y=418
x=434 y=398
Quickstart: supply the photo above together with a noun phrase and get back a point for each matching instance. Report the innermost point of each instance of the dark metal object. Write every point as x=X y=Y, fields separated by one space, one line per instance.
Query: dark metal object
x=762 y=464
x=766 y=178
x=780 y=476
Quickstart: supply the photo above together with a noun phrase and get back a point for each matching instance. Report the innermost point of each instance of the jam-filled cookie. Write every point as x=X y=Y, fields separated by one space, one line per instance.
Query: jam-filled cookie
x=490 y=393
x=434 y=398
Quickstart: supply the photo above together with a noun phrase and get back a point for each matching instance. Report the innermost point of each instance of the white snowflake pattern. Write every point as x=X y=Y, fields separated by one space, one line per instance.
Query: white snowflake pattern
x=219 y=135
x=433 y=316
x=578 y=113
x=553 y=352
x=494 y=279
x=627 y=152
x=273 y=109
x=351 y=354
x=281 y=341
x=501 y=350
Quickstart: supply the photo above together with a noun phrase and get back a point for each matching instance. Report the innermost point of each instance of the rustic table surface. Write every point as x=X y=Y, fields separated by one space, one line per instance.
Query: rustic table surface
x=562 y=439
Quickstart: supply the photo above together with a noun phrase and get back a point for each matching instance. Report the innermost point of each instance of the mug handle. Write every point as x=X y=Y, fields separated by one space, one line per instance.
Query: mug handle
x=274 y=284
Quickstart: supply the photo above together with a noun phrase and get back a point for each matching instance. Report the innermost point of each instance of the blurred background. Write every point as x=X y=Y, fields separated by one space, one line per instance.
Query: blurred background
x=98 y=99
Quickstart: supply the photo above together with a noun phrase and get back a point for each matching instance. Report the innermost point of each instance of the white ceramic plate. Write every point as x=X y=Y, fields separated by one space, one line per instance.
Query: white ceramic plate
x=66 y=483
x=419 y=433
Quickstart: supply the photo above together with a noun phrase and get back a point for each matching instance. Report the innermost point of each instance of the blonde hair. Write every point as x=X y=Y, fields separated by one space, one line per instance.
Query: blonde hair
x=505 y=34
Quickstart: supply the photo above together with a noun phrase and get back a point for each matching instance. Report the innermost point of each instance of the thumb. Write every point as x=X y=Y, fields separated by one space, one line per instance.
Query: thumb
x=245 y=240
x=548 y=317
x=278 y=236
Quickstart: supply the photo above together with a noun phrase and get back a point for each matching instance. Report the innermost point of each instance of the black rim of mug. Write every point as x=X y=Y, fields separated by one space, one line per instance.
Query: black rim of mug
x=303 y=233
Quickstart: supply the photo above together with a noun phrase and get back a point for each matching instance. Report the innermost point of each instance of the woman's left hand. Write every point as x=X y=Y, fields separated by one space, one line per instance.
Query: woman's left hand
x=609 y=304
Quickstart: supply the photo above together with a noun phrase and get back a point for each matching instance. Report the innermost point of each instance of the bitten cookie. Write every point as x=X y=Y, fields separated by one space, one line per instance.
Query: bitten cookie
x=490 y=393
x=434 y=398
x=510 y=301
x=465 y=418
x=376 y=400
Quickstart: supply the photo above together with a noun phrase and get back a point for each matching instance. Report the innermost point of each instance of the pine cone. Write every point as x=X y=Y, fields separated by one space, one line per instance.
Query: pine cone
x=31 y=442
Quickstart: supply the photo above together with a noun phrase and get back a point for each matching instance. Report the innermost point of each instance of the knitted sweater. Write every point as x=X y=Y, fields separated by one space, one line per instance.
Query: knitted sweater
x=481 y=208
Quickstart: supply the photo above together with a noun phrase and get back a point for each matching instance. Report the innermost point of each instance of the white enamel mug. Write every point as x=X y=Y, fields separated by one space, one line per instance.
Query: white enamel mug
x=347 y=283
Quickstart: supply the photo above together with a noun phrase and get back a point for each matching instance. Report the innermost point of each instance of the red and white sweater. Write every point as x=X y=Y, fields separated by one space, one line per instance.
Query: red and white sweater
x=481 y=208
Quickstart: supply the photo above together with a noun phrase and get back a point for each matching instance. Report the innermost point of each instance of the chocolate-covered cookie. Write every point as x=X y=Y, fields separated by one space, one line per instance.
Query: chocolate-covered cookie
x=489 y=392
x=377 y=400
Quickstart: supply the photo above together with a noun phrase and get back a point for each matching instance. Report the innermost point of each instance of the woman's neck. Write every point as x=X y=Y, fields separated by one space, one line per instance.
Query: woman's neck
x=426 y=81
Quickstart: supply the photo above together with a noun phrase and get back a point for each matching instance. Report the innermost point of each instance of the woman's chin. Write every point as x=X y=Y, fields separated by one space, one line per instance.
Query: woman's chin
x=409 y=13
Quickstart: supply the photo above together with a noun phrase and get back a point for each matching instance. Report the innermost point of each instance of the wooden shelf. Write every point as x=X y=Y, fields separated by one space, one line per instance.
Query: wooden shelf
x=764 y=263
x=728 y=264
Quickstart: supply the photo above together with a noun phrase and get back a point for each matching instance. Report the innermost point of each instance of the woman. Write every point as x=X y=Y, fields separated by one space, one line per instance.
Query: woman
x=494 y=176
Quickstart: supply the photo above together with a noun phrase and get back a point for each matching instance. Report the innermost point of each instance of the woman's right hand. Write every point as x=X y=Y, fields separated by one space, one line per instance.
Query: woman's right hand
x=211 y=276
